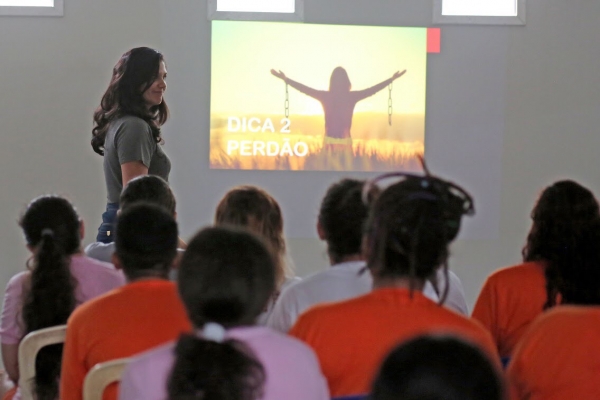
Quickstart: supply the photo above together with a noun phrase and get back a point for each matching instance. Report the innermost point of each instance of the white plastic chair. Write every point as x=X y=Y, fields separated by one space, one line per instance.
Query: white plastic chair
x=28 y=349
x=102 y=375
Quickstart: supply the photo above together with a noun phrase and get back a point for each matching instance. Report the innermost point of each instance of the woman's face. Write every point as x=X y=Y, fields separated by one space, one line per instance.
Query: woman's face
x=153 y=96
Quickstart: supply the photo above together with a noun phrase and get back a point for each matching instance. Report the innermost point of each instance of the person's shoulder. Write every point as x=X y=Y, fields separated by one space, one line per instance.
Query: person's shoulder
x=17 y=280
x=97 y=307
x=567 y=316
x=100 y=251
x=517 y=273
x=131 y=125
x=274 y=342
x=330 y=312
x=87 y=267
x=158 y=355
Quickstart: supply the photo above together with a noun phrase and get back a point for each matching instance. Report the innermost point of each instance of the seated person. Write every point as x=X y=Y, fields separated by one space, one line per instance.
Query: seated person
x=437 y=368
x=225 y=279
x=340 y=224
x=558 y=356
x=252 y=208
x=147 y=188
x=513 y=297
x=409 y=228
x=59 y=278
x=144 y=313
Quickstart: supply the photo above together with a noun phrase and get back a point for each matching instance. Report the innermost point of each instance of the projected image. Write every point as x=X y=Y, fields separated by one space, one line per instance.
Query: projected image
x=317 y=97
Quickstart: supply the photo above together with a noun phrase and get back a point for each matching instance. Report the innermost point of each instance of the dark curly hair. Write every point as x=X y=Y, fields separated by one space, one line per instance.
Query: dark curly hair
x=133 y=74
x=51 y=228
x=565 y=235
x=409 y=228
x=342 y=216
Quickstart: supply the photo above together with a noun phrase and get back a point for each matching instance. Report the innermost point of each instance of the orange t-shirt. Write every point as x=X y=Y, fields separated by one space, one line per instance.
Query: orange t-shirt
x=352 y=337
x=559 y=356
x=510 y=299
x=128 y=320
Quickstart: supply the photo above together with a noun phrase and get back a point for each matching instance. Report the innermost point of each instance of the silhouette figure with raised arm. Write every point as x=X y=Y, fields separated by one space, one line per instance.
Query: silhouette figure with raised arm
x=338 y=104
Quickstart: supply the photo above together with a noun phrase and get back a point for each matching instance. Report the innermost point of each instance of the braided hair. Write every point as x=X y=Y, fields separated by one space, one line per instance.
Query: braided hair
x=410 y=225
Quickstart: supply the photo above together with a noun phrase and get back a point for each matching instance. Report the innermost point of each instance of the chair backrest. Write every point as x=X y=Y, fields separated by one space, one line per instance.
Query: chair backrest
x=102 y=375
x=28 y=349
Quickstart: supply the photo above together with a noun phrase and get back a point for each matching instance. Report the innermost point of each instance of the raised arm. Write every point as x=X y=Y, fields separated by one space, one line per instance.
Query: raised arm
x=297 y=85
x=363 y=94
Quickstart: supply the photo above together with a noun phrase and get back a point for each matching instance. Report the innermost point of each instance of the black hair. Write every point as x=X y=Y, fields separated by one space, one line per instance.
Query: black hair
x=437 y=368
x=565 y=234
x=150 y=189
x=146 y=240
x=410 y=225
x=226 y=276
x=51 y=228
x=133 y=74
x=342 y=216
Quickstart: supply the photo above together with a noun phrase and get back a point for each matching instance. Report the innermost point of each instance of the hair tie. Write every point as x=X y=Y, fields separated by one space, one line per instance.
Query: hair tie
x=213 y=331
x=47 y=232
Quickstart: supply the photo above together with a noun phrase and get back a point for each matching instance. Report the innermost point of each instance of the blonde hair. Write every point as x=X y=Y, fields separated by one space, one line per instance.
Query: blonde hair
x=254 y=209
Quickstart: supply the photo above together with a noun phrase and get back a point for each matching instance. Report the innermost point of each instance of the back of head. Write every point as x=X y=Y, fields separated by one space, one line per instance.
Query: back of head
x=145 y=241
x=51 y=228
x=411 y=224
x=252 y=208
x=150 y=189
x=341 y=217
x=339 y=81
x=565 y=234
x=437 y=368
x=225 y=278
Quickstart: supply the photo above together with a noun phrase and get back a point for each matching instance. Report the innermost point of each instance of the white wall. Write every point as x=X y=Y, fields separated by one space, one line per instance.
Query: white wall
x=53 y=72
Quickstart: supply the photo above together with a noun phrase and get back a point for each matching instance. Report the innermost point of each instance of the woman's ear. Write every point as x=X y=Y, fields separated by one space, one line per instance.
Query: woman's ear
x=116 y=261
x=364 y=247
x=321 y=231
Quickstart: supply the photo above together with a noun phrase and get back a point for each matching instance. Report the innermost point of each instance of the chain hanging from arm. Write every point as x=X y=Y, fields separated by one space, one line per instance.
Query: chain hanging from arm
x=286 y=104
x=390 y=109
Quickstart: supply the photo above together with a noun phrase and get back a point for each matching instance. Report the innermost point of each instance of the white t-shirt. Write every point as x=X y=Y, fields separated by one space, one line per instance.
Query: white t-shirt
x=344 y=281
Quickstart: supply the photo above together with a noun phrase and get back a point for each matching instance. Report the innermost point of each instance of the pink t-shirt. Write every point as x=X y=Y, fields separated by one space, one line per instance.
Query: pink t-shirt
x=93 y=279
x=291 y=368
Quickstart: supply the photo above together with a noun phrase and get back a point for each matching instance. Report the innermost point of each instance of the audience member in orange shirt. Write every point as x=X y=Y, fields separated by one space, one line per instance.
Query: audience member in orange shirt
x=409 y=228
x=144 y=313
x=559 y=355
x=513 y=297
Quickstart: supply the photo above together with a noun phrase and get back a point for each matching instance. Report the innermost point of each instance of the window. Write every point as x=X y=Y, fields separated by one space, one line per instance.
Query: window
x=262 y=10
x=498 y=12
x=52 y=8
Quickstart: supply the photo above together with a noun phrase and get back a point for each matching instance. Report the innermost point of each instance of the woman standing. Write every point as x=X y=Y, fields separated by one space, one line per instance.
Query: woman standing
x=127 y=127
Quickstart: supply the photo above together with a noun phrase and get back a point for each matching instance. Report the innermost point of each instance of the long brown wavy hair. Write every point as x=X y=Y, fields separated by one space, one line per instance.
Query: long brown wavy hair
x=133 y=74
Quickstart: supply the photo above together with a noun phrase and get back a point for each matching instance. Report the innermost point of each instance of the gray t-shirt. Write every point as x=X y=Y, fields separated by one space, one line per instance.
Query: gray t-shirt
x=129 y=138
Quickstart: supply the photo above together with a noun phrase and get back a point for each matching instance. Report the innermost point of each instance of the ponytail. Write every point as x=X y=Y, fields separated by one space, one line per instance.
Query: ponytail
x=214 y=370
x=49 y=302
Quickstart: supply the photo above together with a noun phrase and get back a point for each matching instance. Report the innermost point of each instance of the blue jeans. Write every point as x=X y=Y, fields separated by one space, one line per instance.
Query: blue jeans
x=106 y=231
